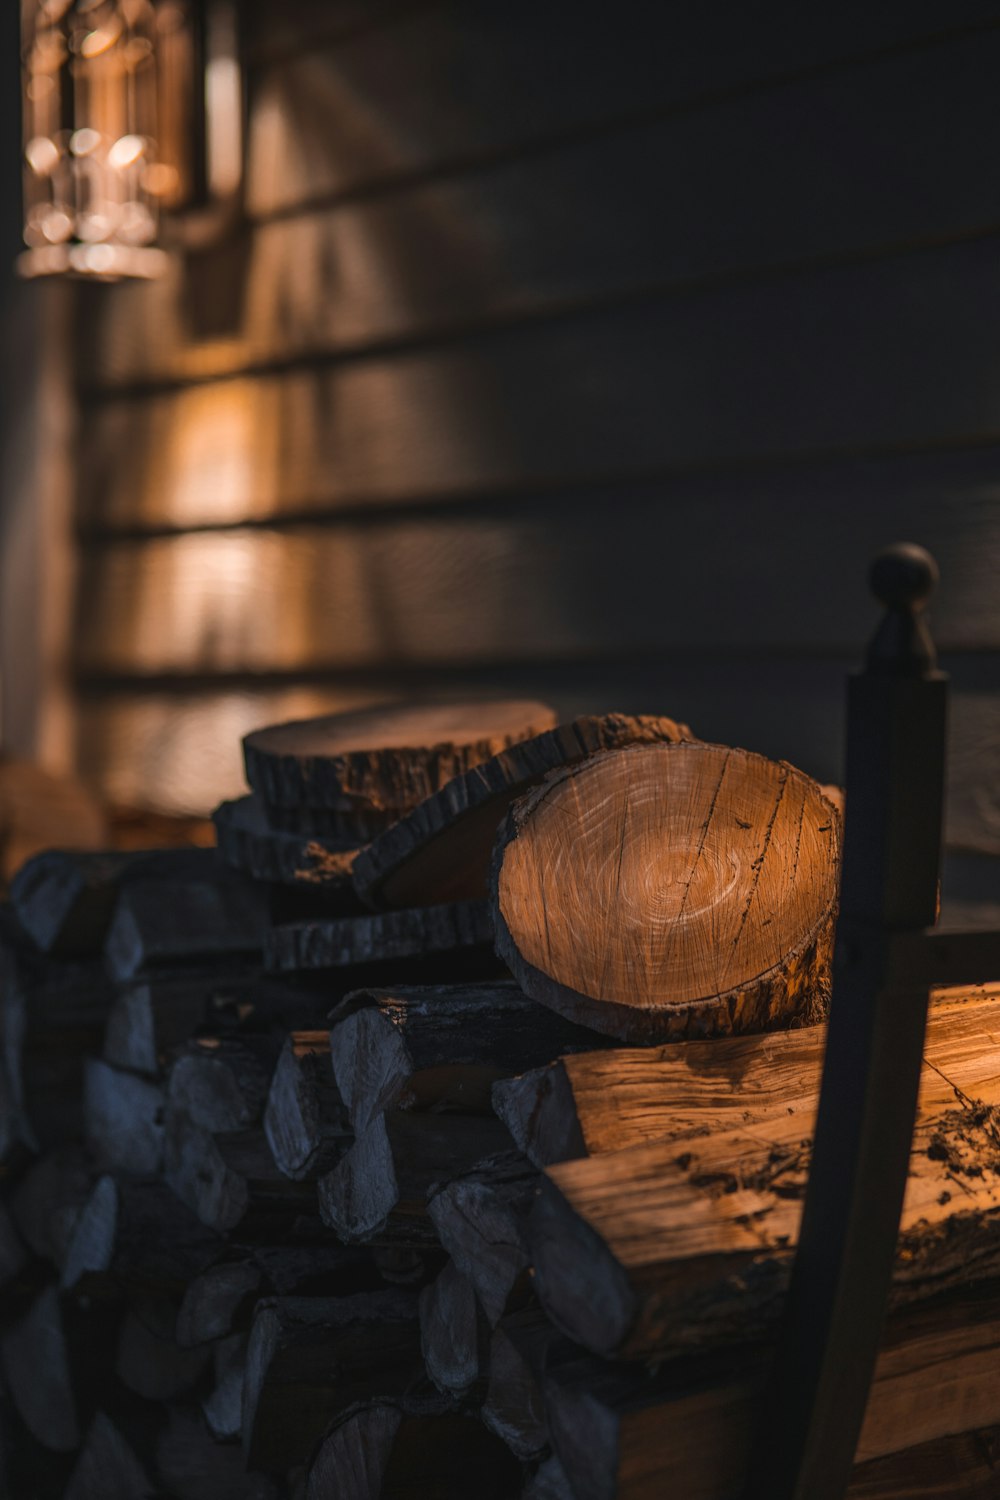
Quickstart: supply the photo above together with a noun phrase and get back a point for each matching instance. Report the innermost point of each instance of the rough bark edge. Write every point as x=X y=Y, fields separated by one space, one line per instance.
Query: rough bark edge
x=803 y=977
x=392 y=779
x=350 y=941
x=271 y=854
x=504 y=775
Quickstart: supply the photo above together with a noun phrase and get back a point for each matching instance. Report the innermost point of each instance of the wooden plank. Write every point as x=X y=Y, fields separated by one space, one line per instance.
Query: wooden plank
x=814 y=168
x=179 y=751
x=463 y=81
x=469 y=590
x=884 y=355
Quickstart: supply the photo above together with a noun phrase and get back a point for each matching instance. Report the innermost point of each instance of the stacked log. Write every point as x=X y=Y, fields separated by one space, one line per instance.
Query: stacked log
x=308 y=1194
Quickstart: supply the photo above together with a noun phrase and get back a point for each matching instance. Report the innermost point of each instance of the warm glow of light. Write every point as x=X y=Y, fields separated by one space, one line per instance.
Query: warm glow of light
x=125 y=151
x=96 y=43
x=85 y=140
x=214 y=451
x=223 y=110
x=159 y=179
x=42 y=155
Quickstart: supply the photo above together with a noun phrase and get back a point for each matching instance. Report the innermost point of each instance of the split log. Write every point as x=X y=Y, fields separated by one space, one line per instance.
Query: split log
x=310 y=1357
x=230 y=1180
x=549 y=1482
x=123 y=1119
x=597 y=1102
x=383 y=760
x=248 y=843
x=108 y=1468
x=36 y=1368
x=147 y=1022
x=514 y=1407
x=160 y=924
x=480 y=1219
x=627 y=1435
x=454 y=1333
x=190 y=1463
x=441 y=1045
x=409 y=1452
x=65 y=898
x=221 y=1082
x=423 y=932
x=223 y=1409
x=963 y=1467
x=150 y=1362
x=216 y=1301
x=48 y=1199
x=671 y=890
x=441 y=850
x=305 y=1122
x=136 y=1235
x=379 y=1188
x=686 y=1243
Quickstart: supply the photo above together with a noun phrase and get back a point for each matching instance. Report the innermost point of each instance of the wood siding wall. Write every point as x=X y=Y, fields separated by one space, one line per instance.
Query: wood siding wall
x=581 y=350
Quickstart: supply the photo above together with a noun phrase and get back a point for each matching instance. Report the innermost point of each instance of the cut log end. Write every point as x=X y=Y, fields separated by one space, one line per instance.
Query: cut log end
x=671 y=890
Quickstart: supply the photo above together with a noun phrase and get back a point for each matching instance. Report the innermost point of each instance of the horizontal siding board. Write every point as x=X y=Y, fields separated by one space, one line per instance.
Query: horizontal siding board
x=180 y=752
x=829 y=167
x=770 y=564
x=884 y=355
x=465 y=80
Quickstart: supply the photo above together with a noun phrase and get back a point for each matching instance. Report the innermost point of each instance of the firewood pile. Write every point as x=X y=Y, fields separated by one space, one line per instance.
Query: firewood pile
x=444 y=1133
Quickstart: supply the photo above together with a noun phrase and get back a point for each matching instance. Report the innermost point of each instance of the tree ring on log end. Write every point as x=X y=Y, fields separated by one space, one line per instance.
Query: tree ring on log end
x=671 y=890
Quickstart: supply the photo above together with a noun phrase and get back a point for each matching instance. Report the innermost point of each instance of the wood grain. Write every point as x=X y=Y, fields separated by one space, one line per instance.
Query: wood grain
x=693 y=1237
x=765 y=180
x=670 y=890
x=437 y=88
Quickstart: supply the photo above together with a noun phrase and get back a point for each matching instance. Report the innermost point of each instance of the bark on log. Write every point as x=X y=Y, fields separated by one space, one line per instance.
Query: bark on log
x=386 y=760
x=311 y=1357
x=108 y=1468
x=626 y=1435
x=123 y=1119
x=136 y=1235
x=440 y=1045
x=441 y=850
x=454 y=1333
x=687 y=1243
x=480 y=1219
x=668 y=891
x=379 y=1189
x=161 y=924
x=407 y=1451
x=305 y=1122
x=423 y=932
x=248 y=843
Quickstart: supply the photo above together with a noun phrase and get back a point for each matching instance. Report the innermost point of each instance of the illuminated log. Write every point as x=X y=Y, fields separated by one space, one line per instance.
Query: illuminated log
x=671 y=890
x=380 y=761
x=686 y=1243
x=441 y=850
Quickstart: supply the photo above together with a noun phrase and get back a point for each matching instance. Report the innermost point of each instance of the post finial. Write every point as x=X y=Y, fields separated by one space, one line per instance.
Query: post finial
x=903 y=577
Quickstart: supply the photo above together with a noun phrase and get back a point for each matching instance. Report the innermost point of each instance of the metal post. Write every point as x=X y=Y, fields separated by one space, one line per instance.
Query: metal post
x=864 y=1129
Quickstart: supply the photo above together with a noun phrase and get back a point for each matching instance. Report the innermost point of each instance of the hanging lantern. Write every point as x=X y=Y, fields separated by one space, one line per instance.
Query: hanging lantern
x=110 y=131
